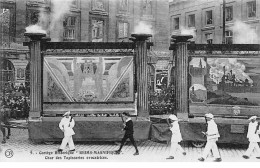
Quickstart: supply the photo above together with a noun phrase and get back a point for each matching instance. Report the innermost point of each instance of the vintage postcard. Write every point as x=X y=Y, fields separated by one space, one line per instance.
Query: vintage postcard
x=130 y=81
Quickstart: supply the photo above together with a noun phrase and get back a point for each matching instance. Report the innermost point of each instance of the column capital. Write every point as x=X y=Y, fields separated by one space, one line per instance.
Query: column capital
x=181 y=38
x=140 y=37
x=35 y=36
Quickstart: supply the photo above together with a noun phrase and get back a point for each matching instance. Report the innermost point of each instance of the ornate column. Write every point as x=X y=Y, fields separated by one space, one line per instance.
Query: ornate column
x=141 y=61
x=181 y=80
x=35 y=74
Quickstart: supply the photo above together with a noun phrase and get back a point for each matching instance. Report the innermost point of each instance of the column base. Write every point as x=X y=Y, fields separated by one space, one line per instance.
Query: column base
x=183 y=116
x=138 y=118
x=34 y=114
x=142 y=113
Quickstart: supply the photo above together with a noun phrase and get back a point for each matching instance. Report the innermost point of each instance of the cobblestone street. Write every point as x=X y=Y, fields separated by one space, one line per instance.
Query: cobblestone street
x=24 y=150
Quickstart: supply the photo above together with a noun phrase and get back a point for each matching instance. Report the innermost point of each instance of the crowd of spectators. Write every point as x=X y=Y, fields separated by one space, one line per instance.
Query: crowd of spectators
x=162 y=102
x=15 y=100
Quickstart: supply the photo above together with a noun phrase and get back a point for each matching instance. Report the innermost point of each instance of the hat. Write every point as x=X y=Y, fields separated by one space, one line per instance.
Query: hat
x=253 y=117
x=236 y=107
x=126 y=114
x=173 y=117
x=67 y=113
x=209 y=115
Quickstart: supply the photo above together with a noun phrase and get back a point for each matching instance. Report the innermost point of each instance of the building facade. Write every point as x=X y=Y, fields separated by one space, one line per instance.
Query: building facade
x=84 y=21
x=204 y=20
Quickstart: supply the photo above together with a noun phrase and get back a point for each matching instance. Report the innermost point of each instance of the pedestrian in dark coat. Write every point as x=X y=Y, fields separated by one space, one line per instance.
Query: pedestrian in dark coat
x=129 y=133
x=4 y=121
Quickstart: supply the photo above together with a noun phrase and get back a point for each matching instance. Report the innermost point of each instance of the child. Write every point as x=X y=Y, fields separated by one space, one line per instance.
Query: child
x=129 y=133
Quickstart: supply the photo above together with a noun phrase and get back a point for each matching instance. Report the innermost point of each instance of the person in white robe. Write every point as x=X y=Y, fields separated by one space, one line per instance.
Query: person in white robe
x=212 y=138
x=176 y=137
x=66 y=125
x=253 y=138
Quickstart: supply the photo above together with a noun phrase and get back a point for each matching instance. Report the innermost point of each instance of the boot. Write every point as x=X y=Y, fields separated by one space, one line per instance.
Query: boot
x=136 y=153
x=218 y=160
x=170 y=157
x=117 y=152
x=4 y=141
x=245 y=156
x=60 y=150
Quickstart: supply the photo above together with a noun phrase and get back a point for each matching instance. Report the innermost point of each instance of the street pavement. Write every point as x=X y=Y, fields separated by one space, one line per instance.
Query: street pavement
x=20 y=148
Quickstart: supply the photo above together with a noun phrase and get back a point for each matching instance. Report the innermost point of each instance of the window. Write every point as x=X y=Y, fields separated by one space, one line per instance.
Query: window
x=229 y=13
x=209 y=38
x=251 y=35
x=176 y=23
x=229 y=37
x=7 y=22
x=97 y=30
x=98 y=5
x=251 y=9
x=7 y=71
x=74 y=3
x=123 y=5
x=191 y=20
x=69 y=34
x=20 y=73
x=34 y=17
x=209 y=19
x=5 y=17
x=69 y=25
x=70 y=21
x=122 y=30
x=147 y=7
x=5 y=27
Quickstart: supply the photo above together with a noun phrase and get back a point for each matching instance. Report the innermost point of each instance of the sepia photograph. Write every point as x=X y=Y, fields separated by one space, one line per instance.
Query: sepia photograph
x=168 y=81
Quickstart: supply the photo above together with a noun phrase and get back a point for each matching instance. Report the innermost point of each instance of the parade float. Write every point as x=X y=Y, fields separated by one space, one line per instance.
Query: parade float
x=99 y=81
x=96 y=82
x=222 y=79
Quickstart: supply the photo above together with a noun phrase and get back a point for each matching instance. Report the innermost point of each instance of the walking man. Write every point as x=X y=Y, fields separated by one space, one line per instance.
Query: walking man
x=4 y=117
x=129 y=133
x=253 y=137
x=212 y=137
x=176 y=137
x=66 y=125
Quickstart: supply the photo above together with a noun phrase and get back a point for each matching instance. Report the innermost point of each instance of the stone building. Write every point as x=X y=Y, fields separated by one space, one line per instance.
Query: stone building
x=85 y=21
x=204 y=20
